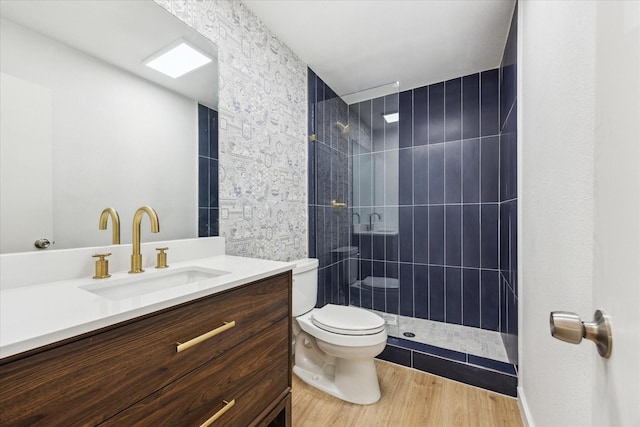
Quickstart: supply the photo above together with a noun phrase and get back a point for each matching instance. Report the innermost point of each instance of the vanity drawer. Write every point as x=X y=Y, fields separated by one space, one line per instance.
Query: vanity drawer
x=251 y=376
x=88 y=380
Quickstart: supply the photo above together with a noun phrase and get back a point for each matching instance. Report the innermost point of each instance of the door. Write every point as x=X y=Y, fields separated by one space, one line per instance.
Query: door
x=616 y=285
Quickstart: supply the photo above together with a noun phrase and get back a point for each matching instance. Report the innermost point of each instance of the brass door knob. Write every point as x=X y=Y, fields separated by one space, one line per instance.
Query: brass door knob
x=102 y=266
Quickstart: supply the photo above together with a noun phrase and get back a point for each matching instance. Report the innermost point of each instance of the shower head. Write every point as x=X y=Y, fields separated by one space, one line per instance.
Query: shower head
x=345 y=129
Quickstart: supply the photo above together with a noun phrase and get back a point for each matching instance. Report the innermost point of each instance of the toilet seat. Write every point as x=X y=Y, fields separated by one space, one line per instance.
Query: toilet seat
x=344 y=320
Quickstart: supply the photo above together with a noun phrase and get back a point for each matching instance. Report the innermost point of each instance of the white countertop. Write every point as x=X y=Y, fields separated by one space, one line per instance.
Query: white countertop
x=40 y=314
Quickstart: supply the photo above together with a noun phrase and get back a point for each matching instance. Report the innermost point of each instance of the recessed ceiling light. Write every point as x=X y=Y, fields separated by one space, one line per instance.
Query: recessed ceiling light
x=177 y=59
x=391 y=118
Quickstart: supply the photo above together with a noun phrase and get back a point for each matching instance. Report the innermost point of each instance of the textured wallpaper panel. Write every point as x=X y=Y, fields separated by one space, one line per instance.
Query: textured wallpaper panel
x=262 y=123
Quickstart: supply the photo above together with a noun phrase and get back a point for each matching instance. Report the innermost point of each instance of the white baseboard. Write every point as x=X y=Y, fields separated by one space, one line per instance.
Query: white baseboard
x=527 y=421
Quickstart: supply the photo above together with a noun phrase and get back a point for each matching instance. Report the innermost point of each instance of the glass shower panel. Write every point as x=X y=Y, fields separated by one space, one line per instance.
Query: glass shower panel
x=375 y=161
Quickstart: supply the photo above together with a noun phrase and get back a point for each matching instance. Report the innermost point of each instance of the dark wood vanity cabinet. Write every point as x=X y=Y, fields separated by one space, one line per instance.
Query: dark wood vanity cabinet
x=132 y=374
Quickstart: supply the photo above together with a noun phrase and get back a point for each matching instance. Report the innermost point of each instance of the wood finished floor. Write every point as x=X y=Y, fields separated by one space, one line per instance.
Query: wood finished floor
x=410 y=398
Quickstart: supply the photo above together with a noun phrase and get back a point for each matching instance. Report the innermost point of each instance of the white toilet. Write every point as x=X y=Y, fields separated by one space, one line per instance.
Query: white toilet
x=334 y=345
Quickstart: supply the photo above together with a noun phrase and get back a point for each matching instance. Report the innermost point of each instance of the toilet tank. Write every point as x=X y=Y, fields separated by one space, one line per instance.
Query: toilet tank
x=305 y=285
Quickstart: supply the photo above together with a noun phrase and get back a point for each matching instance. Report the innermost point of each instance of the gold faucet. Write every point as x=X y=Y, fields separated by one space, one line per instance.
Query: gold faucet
x=115 y=223
x=136 y=257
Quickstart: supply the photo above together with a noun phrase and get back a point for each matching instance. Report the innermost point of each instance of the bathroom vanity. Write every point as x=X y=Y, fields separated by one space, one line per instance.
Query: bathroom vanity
x=219 y=356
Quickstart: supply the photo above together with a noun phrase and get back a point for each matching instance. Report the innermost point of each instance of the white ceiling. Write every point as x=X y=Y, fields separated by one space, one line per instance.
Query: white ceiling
x=355 y=45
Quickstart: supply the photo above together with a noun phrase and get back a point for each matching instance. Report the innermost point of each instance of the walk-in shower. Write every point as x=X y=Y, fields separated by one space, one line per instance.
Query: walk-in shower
x=406 y=215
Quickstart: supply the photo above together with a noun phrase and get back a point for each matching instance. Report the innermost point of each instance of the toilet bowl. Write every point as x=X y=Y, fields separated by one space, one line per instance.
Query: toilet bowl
x=335 y=345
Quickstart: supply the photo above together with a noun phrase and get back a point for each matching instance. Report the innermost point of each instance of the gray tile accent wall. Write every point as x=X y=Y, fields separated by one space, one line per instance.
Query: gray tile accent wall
x=262 y=150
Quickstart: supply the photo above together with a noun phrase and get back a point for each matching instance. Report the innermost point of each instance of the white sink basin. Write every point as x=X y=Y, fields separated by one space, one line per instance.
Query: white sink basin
x=146 y=283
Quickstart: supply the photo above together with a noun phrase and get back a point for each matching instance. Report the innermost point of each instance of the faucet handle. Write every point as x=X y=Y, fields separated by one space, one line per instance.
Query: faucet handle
x=102 y=266
x=162 y=258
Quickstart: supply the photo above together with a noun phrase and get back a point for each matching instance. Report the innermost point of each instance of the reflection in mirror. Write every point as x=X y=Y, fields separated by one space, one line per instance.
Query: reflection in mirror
x=86 y=125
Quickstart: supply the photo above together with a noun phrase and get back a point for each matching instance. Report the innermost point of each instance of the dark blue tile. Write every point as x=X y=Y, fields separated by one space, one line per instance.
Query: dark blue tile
x=490 y=169
x=471 y=106
x=213 y=183
x=504 y=238
x=405 y=177
x=378 y=246
x=436 y=235
x=311 y=171
x=214 y=222
x=453 y=295
x=468 y=374
x=203 y=182
x=406 y=289
x=421 y=291
x=453 y=235
x=405 y=119
x=471 y=171
x=391 y=247
x=436 y=113
x=421 y=175
x=489 y=233
x=323 y=174
x=471 y=236
x=405 y=235
x=203 y=222
x=213 y=134
x=490 y=300
x=312 y=231
x=489 y=101
x=471 y=297
x=321 y=279
x=420 y=119
x=332 y=285
x=436 y=293
x=496 y=365
x=429 y=349
x=334 y=182
x=366 y=269
x=203 y=130
x=421 y=234
x=396 y=355
x=436 y=173
x=453 y=109
x=453 y=172
x=378 y=268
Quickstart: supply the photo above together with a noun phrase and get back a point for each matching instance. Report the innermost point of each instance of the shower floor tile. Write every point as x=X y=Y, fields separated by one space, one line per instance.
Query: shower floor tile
x=465 y=339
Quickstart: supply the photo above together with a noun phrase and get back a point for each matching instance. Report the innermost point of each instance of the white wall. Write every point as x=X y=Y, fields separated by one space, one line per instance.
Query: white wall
x=26 y=193
x=107 y=123
x=263 y=131
x=556 y=108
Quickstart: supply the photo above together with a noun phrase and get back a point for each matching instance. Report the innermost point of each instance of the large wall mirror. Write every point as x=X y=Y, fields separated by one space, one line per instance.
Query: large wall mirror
x=87 y=125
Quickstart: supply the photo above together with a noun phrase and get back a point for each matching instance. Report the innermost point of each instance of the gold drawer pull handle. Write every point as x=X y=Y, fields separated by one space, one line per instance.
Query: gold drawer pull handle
x=197 y=340
x=227 y=406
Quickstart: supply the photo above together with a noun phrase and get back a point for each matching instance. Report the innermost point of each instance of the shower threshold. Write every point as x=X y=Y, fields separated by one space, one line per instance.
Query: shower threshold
x=465 y=339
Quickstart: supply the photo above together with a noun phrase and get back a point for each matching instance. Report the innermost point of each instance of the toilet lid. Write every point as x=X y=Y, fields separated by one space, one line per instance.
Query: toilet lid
x=345 y=320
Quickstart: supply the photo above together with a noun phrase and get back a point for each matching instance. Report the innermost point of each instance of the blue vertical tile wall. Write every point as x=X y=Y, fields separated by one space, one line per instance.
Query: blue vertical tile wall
x=330 y=179
x=455 y=254
x=449 y=195
x=208 y=223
